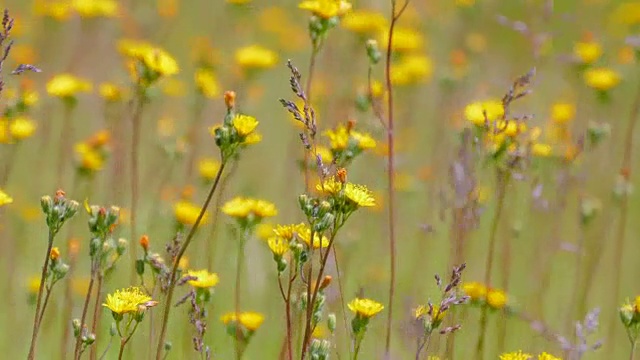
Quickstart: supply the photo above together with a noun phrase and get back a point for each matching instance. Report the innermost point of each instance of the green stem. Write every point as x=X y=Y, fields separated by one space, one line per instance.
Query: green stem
x=36 y=322
x=237 y=291
x=176 y=262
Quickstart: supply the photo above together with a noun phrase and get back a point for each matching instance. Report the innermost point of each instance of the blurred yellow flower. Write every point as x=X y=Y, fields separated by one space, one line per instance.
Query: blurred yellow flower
x=208 y=168
x=326 y=9
x=256 y=57
x=207 y=83
x=365 y=308
x=364 y=22
x=496 y=298
x=325 y=154
x=278 y=245
x=562 y=112
x=341 y=137
x=547 y=356
x=411 y=69
x=475 y=112
x=250 y=320
x=5 y=198
x=67 y=85
x=127 y=300
x=436 y=316
x=89 y=158
x=33 y=286
x=541 y=150
x=475 y=290
x=95 y=8
x=57 y=10
x=111 y=92
x=186 y=213
x=4 y=131
x=404 y=39
x=21 y=128
x=587 y=52
x=602 y=79
x=241 y=207
x=515 y=355
x=204 y=279
x=30 y=97
x=238 y=2
x=154 y=58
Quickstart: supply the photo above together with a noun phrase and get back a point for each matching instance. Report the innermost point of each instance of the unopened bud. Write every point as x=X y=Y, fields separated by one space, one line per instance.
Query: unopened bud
x=144 y=242
x=77 y=327
x=325 y=282
x=54 y=254
x=331 y=322
x=46 y=203
x=230 y=99
x=373 y=51
x=122 y=246
x=342 y=175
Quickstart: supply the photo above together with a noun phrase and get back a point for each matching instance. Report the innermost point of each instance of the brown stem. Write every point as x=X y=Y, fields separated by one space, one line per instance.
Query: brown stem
x=36 y=323
x=503 y=180
x=85 y=307
x=176 y=262
x=135 y=143
x=68 y=308
x=237 y=292
x=390 y=172
x=96 y=317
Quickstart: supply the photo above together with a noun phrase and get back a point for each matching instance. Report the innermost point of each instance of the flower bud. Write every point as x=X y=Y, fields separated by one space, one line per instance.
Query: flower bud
x=230 y=99
x=46 y=204
x=144 y=242
x=121 y=247
x=77 y=327
x=72 y=209
x=54 y=254
x=331 y=322
x=373 y=51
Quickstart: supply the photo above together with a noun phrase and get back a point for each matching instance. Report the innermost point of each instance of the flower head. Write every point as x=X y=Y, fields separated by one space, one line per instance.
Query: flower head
x=95 y=8
x=365 y=308
x=240 y=207
x=244 y=124
x=318 y=241
x=207 y=83
x=475 y=112
x=203 y=278
x=497 y=298
x=288 y=232
x=5 y=198
x=278 y=246
x=587 y=52
x=326 y=9
x=515 y=355
x=256 y=57
x=21 y=128
x=67 y=85
x=187 y=213
x=562 y=112
x=250 y=320
x=127 y=300
x=602 y=79
x=364 y=22
x=475 y=290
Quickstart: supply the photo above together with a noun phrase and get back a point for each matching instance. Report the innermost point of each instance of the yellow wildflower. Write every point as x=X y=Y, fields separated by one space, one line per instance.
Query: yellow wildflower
x=475 y=290
x=33 y=286
x=5 y=198
x=411 y=69
x=67 y=85
x=256 y=57
x=204 y=279
x=207 y=83
x=436 y=316
x=160 y=61
x=95 y=8
x=587 y=52
x=325 y=154
x=278 y=245
x=250 y=320
x=496 y=298
x=562 y=113
x=88 y=157
x=602 y=79
x=326 y=9
x=241 y=207
x=287 y=232
x=57 y=10
x=30 y=97
x=186 y=213
x=208 y=168
x=111 y=92
x=365 y=308
x=541 y=150
x=364 y=22
x=404 y=39
x=305 y=236
x=475 y=112
x=515 y=355
x=359 y=195
x=547 y=356
x=21 y=128
x=127 y=300
x=244 y=124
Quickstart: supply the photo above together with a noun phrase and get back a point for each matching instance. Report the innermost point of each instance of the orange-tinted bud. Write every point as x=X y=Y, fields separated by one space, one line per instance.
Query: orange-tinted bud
x=55 y=254
x=325 y=282
x=230 y=99
x=342 y=175
x=350 y=125
x=144 y=242
x=74 y=247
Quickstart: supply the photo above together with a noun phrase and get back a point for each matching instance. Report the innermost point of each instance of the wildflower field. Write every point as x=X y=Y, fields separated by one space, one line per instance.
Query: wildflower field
x=320 y=179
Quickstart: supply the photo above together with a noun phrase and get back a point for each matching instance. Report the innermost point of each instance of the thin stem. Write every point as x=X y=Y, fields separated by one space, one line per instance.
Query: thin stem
x=134 y=173
x=78 y=347
x=237 y=291
x=44 y=305
x=68 y=307
x=391 y=170
x=503 y=180
x=96 y=317
x=312 y=65
x=632 y=355
x=423 y=344
x=342 y=302
x=124 y=342
x=176 y=262
x=36 y=323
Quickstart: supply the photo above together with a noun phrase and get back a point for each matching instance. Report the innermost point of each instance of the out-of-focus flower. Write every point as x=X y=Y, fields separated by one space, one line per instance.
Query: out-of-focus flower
x=207 y=83
x=21 y=128
x=5 y=198
x=475 y=112
x=250 y=320
x=240 y=207
x=187 y=213
x=516 y=355
x=587 y=52
x=95 y=8
x=57 y=10
x=326 y=9
x=364 y=22
x=496 y=298
x=67 y=86
x=562 y=112
x=111 y=92
x=208 y=168
x=602 y=79
x=404 y=39
x=156 y=61
x=255 y=57
x=411 y=69
x=203 y=278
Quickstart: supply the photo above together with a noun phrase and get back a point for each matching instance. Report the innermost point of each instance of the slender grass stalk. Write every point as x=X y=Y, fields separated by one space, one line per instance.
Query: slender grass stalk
x=312 y=65
x=395 y=16
x=124 y=341
x=134 y=173
x=287 y=345
x=503 y=178
x=68 y=306
x=36 y=320
x=176 y=262
x=625 y=171
x=93 y=353
x=240 y=261
x=78 y=348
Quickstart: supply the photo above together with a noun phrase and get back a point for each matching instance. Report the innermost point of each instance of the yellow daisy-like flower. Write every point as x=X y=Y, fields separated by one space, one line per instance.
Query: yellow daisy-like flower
x=364 y=22
x=475 y=290
x=436 y=315
x=602 y=79
x=241 y=207
x=250 y=320
x=541 y=150
x=5 y=198
x=562 y=113
x=287 y=232
x=95 y=8
x=160 y=61
x=127 y=300
x=475 y=112
x=278 y=245
x=305 y=236
x=365 y=308
x=88 y=157
x=326 y=9
x=496 y=298
x=256 y=57
x=244 y=124
x=587 y=52
x=365 y=141
x=207 y=83
x=338 y=137
x=359 y=195
x=111 y=92
x=515 y=355
x=404 y=39
x=186 y=213
x=208 y=168
x=412 y=69
x=325 y=154
x=67 y=85
x=547 y=356
x=204 y=279
x=33 y=286
x=21 y=128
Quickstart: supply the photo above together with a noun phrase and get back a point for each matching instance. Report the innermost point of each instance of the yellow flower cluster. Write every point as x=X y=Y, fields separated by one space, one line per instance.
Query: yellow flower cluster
x=156 y=62
x=62 y=10
x=357 y=195
x=250 y=320
x=479 y=293
x=519 y=355
x=92 y=153
x=186 y=213
x=256 y=57
x=203 y=278
x=5 y=198
x=241 y=207
x=67 y=86
x=16 y=129
x=326 y=9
